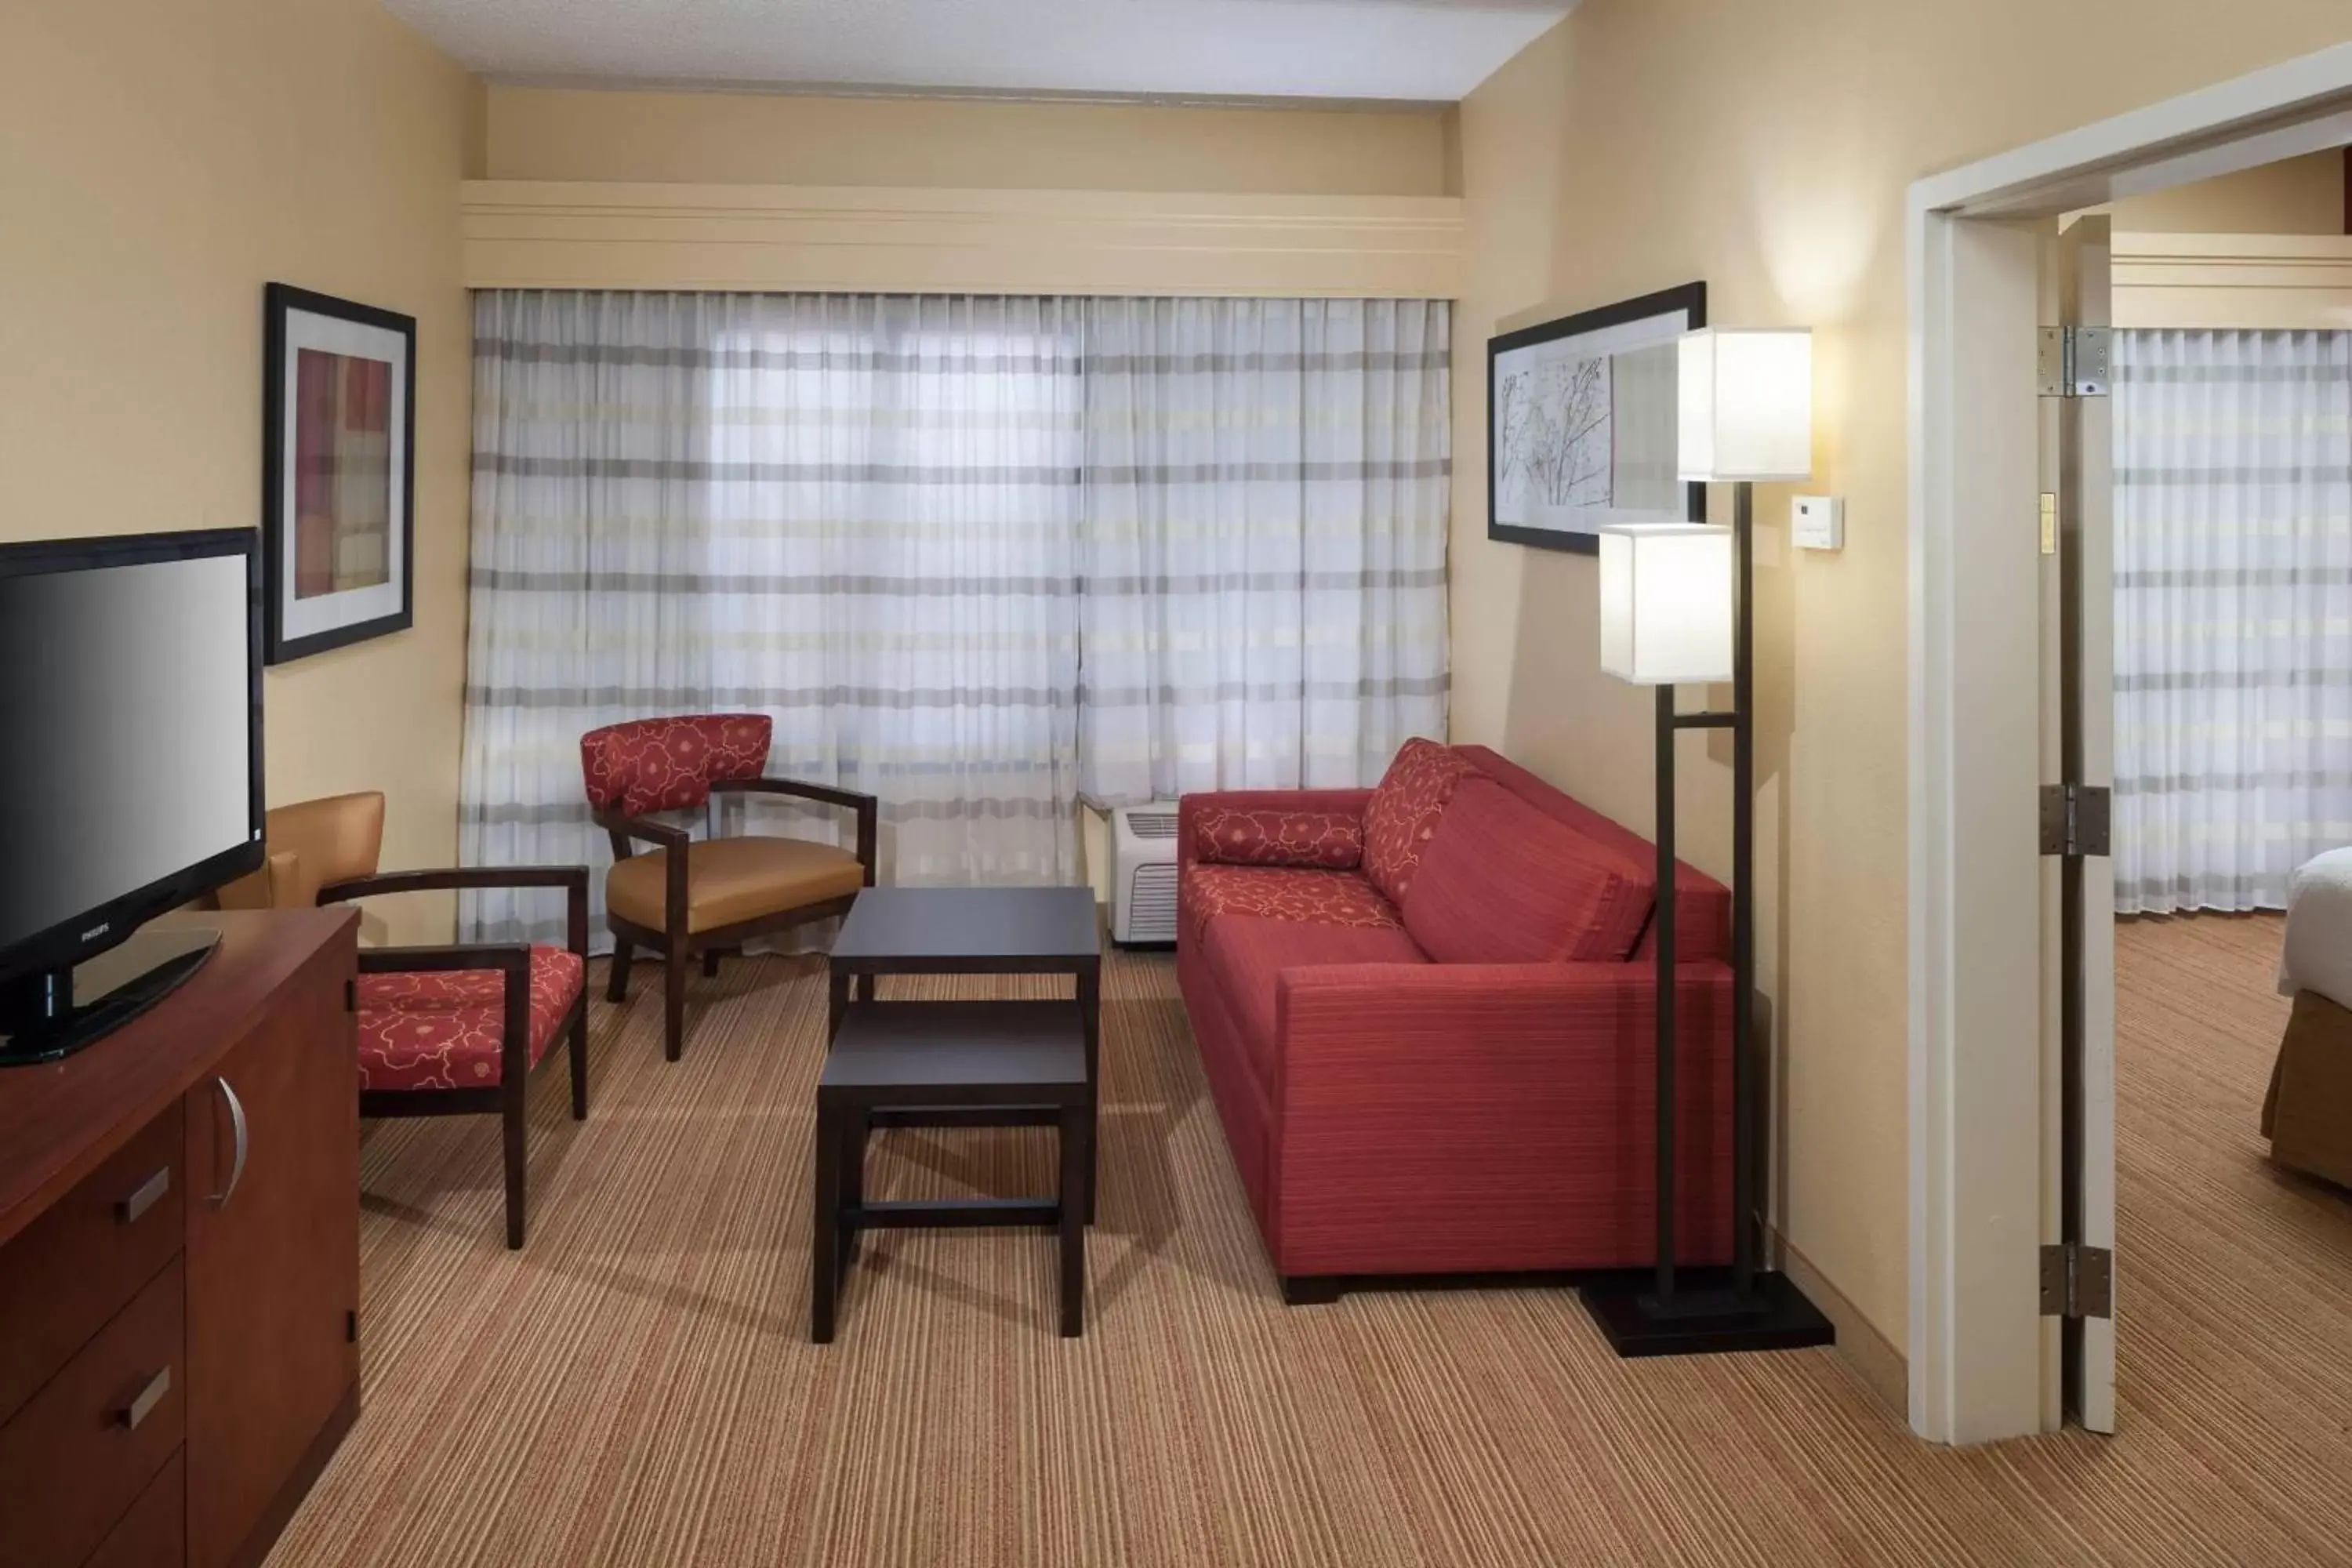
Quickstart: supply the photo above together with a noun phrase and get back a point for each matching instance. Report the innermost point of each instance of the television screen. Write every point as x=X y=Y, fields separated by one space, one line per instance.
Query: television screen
x=127 y=698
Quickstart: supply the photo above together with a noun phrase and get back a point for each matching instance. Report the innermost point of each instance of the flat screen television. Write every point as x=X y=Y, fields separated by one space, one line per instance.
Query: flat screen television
x=131 y=718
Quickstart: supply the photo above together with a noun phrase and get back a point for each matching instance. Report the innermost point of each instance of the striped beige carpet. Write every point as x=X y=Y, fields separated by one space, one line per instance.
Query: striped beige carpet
x=637 y=1386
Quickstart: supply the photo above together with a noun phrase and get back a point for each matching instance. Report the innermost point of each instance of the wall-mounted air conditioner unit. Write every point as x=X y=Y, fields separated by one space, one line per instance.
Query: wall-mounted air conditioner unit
x=1143 y=867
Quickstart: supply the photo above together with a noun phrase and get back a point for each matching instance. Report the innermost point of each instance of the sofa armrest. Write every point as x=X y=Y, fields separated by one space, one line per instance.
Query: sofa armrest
x=1423 y=1111
x=1193 y=809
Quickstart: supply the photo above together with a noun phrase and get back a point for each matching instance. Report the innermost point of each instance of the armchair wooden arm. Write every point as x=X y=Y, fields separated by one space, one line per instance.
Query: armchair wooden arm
x=572 y=880
x=866 y=807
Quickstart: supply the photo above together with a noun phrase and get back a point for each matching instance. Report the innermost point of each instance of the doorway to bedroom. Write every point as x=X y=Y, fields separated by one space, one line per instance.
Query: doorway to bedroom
x=2232 y=474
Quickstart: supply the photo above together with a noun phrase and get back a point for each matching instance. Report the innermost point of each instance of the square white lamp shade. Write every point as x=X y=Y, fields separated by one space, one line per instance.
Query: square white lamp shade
x=1745 y=399
x=1666 y=603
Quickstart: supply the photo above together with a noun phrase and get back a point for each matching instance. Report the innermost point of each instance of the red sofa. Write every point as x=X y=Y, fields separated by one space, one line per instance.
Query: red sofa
x=1426 y=1013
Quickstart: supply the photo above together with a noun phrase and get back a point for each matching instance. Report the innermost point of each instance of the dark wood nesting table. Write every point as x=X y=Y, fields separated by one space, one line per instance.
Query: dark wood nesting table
x=958 y=1064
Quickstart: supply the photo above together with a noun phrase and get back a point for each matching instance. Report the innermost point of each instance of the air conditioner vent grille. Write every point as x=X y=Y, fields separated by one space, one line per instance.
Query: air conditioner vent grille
x=1152 y=824
x=1152 y=904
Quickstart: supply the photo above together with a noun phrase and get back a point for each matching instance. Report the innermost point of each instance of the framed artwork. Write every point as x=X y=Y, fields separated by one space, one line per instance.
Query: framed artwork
x=1580 y=423
x=339 y=443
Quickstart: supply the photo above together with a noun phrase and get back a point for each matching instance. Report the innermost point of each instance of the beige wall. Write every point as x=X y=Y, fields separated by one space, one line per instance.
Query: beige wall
x=159 y=163
x=1765 y=149
x=741 y=138
x=2294 y=196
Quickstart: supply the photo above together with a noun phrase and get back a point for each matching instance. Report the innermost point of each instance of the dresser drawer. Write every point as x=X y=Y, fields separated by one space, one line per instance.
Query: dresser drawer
x=72 y=1270
x=154 y=1533
x=85 y=1447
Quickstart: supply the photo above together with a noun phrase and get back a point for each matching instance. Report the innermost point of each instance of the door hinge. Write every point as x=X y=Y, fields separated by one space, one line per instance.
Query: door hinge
x=350 y=996
x=2076 y=819
x=2078 y=1281
x=2049 y=522
x=352 y=1327
x=2074 y=362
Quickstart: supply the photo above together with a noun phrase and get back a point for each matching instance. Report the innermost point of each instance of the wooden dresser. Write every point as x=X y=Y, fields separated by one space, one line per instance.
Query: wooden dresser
x=179 y=1262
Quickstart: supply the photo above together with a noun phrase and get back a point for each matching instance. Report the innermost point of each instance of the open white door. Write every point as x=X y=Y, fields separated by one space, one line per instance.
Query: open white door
x=2078 y=1262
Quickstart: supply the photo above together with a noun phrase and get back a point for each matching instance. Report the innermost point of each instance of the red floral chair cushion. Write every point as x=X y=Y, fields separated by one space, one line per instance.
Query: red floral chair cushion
x=668 y=765
x=1330 y=840
x=1401 y=816
x=444 y=1029
x=1285 y=893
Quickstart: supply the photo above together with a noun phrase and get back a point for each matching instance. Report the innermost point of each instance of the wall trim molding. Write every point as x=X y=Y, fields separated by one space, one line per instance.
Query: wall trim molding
x=551 y=234
x=2274 y=281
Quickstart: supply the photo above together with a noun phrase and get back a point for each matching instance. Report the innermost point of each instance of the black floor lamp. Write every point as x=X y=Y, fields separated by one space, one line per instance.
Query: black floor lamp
x=1677 y=607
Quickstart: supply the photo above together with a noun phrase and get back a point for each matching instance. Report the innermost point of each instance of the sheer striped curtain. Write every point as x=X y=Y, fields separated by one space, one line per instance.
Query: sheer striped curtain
x=2234 y=614
x=968 y=554
x=1265 y=554
x=854 y=514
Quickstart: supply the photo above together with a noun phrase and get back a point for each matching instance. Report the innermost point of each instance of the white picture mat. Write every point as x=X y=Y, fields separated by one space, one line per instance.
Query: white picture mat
x=331 y=612
x=1515 y=508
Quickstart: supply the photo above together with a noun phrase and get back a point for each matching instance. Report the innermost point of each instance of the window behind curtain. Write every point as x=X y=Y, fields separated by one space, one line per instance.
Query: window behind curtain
x=889 y=522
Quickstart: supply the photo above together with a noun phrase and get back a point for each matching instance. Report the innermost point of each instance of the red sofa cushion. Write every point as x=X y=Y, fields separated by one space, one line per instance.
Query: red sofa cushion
x=1248 y=954
x=1702 y=904
x=1401 y=816
x=1284 y=893
x=1503 y=883
x=1325 y=840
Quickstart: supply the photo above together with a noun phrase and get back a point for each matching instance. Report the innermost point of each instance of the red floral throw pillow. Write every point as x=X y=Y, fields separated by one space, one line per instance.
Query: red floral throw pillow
x=1401 y=816
x=1325 y=840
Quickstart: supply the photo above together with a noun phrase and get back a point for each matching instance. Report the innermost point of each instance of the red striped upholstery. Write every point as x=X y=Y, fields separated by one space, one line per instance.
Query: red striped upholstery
x=1396 y=1116
x=1503 y=883
x=1702 y=904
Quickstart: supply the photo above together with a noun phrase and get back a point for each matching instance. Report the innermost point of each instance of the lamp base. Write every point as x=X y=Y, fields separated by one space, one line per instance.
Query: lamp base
x=1704 y=1316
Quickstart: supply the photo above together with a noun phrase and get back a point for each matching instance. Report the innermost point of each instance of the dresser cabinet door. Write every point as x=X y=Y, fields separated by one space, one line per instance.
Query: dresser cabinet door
x=273 y=1264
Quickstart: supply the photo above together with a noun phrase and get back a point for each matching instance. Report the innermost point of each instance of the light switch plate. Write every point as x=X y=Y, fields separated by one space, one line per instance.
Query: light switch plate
x=1816 y=522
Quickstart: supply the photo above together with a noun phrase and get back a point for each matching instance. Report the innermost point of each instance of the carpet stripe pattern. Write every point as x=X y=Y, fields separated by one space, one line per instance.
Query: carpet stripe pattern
x=637 y=1386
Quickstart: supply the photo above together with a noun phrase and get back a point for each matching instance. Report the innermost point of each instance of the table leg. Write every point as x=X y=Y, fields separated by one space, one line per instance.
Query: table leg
x=836 y=1004
x=853 y=1132
x=824 y=1262
x=1090 y=1022
x=1077 y=1167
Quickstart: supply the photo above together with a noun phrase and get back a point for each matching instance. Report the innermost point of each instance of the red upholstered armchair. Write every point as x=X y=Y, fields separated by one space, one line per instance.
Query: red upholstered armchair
x=443 y=1031
x=1426 y=1017
x=707 y=896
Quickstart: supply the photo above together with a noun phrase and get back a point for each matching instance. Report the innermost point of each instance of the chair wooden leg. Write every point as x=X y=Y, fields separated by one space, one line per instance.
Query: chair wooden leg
x=517 y=1098
x=1077 y=1159
x=674 y=999
x=580 y=1063
x=617 y=986
x=710 y=963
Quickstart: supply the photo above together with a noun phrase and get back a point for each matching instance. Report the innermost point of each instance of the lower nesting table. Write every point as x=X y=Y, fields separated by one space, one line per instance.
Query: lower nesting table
x=958 y=1063
x=975 y=1062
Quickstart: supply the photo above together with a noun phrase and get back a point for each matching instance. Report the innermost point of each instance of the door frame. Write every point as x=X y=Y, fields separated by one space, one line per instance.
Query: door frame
x=1977 y=1092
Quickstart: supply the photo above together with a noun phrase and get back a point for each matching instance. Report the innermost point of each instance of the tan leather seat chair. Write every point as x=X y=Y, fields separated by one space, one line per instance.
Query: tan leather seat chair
x=706 y=896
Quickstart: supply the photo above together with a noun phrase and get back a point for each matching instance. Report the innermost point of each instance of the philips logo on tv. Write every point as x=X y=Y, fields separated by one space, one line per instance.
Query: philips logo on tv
x=94 y=933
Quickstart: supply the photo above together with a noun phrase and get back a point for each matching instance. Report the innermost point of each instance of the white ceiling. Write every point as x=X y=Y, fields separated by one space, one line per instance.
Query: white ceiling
x=1412 y=49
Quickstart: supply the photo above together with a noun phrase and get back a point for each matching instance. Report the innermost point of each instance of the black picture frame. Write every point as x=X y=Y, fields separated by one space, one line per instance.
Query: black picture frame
x=282 y=643
x=1689 y=299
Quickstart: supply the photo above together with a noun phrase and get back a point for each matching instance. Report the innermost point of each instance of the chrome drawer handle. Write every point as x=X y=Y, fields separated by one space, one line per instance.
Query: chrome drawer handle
x=139 y=1408
x=151 y=1192
x=236 y=1123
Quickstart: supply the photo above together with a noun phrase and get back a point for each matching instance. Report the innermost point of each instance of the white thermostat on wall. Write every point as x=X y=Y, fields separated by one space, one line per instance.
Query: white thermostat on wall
x=1816 y=522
